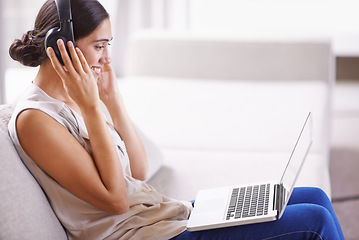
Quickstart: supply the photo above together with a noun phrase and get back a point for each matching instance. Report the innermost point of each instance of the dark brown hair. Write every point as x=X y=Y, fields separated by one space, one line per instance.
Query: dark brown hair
x=30 y=50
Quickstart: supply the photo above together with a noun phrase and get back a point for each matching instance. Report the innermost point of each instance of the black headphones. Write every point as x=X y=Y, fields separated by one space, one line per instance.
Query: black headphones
x=66 y=30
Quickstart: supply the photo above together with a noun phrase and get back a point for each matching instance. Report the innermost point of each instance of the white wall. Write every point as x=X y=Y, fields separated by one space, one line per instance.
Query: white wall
x=334 y=16
x=337 y=19
x=16 y=17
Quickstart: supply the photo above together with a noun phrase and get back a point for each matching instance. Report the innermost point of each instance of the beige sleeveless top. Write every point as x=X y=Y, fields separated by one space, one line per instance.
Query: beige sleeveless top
x=151 y=215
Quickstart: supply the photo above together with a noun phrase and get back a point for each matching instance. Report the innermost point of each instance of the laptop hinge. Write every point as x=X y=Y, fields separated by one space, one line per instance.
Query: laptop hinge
x=279 y=197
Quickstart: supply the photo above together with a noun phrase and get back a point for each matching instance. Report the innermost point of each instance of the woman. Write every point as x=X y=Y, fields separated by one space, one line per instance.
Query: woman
x=90 y=170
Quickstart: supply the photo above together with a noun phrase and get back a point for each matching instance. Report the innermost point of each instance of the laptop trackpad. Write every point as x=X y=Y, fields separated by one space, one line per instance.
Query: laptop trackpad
x=211 y=205
x=212 y=200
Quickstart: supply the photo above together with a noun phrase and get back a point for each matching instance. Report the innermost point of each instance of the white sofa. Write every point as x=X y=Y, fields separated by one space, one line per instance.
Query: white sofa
x=228 y=110
x=221 y=111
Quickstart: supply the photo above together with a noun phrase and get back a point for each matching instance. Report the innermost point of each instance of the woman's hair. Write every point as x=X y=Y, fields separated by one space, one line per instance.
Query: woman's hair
x=30 y=51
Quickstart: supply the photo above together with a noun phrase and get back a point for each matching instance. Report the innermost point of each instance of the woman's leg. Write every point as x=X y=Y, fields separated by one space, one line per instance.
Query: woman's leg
x=315 y=196
x=299 y=221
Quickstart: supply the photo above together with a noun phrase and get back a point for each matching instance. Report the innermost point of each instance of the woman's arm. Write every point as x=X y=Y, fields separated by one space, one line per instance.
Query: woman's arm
x=97 y=179
x=111 y=97
x=127 y=131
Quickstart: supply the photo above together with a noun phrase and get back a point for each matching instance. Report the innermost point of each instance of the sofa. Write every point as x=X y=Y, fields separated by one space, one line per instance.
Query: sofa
x=211 y=111
x=228 y=109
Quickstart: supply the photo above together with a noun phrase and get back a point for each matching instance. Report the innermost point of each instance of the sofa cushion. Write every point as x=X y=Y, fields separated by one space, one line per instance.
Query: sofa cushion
x=24 y=209
x=205 y=127
x=227 y=115
x=186 y=171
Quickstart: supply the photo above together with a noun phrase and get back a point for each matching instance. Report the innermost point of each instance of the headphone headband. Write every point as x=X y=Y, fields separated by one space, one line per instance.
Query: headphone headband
x=64 y=10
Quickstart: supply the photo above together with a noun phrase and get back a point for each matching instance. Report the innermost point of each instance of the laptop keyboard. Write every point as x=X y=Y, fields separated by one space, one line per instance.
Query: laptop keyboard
x=249 y=202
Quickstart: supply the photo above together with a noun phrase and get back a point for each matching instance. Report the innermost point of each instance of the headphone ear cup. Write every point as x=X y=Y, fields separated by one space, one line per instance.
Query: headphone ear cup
x=51 y=38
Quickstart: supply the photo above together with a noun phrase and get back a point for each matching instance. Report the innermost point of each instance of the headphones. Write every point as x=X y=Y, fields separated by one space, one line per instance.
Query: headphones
x=66 y=30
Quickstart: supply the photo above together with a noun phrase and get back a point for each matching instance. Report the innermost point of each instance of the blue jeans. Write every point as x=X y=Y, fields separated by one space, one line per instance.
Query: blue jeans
x=309 y=215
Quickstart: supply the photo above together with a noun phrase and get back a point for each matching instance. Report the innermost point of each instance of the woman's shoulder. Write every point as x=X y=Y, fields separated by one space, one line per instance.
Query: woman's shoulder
x=35 y=122
x=35 y=98
x=33 y=101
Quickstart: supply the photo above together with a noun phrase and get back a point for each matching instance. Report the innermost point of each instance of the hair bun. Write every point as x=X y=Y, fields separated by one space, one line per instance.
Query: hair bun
x=27 y=50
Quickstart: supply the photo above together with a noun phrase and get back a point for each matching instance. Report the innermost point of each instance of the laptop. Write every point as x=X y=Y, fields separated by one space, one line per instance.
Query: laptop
x=251 y=203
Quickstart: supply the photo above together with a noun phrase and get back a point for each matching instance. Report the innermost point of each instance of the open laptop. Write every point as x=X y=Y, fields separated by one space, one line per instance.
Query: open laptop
x=251 y=203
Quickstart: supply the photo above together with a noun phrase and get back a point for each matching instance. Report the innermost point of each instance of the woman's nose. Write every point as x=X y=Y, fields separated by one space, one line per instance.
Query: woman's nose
x=105 y=58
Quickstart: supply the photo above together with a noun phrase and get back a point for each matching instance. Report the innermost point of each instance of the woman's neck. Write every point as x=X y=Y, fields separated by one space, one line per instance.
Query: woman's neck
x=50 y=82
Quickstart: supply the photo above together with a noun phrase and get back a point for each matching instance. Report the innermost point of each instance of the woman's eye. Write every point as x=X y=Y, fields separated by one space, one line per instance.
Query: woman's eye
x=99 y=47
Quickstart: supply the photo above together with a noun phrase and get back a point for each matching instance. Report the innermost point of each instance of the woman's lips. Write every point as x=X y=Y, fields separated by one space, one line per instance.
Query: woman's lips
x=96 y=70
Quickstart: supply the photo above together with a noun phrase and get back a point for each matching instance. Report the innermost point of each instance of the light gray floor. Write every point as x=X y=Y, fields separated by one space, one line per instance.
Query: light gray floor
x=344 y=167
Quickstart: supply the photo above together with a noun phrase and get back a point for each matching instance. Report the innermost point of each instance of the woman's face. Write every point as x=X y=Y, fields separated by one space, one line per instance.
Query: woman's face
x=95 y=47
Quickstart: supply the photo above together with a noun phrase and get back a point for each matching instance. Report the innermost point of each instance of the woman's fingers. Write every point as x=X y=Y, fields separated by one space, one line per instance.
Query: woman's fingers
x=56 y=63
x=75 y=59
x=66 y=58
x=83 y=61
x=78 y=62
x=75 y=66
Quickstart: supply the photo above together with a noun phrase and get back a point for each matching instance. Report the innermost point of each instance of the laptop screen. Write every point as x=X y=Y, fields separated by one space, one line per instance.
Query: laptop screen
x=297 y=158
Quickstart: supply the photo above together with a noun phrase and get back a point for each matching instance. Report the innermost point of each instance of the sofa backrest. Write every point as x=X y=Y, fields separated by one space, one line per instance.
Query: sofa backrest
x=24 y=209
x=239 y=58
x=263 y=77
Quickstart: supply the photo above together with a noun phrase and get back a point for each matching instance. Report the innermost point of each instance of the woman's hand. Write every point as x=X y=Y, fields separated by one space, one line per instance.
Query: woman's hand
x=76 y=75
x=107 y=84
